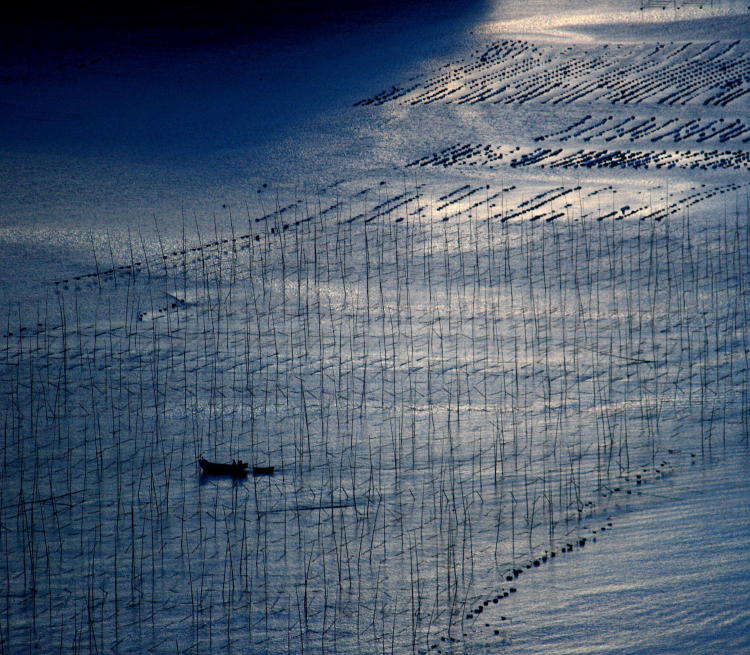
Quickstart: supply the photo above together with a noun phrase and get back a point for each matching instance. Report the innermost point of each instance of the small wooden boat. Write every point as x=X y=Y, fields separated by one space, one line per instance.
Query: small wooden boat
x=235 y=469
x=263 y=470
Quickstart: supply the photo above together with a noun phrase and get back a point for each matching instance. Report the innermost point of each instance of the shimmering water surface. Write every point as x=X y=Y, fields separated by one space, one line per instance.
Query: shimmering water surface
x=475 y=282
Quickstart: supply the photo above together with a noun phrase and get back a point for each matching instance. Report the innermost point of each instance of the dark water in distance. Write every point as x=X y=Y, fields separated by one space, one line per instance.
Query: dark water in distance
x=86 y=19
x=33 y=40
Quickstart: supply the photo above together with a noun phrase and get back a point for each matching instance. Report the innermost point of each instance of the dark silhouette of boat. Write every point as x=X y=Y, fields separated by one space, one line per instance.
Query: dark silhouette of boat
x=235 y=469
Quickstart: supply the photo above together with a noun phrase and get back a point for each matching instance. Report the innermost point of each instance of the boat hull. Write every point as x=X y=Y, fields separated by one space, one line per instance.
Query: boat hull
x=217 y=468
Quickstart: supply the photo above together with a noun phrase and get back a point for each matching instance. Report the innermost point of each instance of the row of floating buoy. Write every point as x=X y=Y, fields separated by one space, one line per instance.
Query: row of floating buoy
x=461 y=77
x=542 y=200
x=634 y=128
x=487 y=155
x=635 y=159
x=639 y=477
x=623 y=75
x=178 y=256
x=512 y=575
